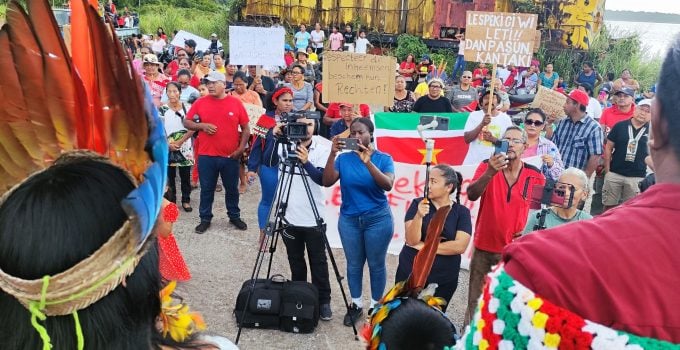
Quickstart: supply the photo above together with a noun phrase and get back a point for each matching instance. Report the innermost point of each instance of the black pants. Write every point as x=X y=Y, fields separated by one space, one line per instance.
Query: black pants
x=185 y=183
x=296 y=238
x=446 y=284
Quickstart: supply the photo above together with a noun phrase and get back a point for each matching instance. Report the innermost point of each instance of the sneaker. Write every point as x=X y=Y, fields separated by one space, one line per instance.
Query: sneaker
x=325 y=312
x=353 y=314
x=239 y=224
x=202 y=227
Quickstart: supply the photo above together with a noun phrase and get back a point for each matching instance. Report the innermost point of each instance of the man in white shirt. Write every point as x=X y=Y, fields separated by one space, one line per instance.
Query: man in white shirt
x=482 y=130
x=302 y=231
x=594 y=108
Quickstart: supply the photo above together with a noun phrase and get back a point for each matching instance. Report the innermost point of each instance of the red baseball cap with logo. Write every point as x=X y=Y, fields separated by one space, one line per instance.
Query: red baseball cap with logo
x=345 y=104
x=579 y=96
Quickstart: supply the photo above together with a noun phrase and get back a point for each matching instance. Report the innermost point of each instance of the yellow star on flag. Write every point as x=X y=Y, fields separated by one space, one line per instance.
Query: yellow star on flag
x=434 y=155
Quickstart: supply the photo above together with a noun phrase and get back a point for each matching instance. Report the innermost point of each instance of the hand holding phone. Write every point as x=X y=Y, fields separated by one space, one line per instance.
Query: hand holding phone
x=501 y=147
x=349 y=144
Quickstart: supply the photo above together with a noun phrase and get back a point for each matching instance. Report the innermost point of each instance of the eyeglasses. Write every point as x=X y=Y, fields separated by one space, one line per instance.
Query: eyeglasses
x=466 y=77
x=533 y=122
x=514 y=141
x=435 y=86
x=296 y=73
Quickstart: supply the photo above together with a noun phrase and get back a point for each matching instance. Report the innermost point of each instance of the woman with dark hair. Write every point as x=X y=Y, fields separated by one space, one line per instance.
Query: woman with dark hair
x=537 y=145
x=78 y=257
x=588 y=76
x=180 y=144
x=407 y=69
x=454 y=238
x=303 y=93
x=365 y=222
x=261 y=161
x=241 y=91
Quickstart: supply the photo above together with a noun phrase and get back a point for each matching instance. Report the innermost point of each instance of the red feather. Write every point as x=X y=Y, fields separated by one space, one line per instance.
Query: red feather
x=422 y=264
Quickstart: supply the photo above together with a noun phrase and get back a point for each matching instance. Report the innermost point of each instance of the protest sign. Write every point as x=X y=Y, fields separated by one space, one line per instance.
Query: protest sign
x=550 y=101
x=358 y=78
x=256 y=46
x=254 y=113
x=202 y=44
x=500 y=38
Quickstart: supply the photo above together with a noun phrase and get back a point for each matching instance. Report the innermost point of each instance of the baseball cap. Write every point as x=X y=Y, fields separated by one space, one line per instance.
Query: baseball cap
x=579 y=96
x=287 y=47
x=645 y=102
x=150 y=58
x=213 y=35
x=626 y=90
x=190 y=43
x=215 y=76
x=345 y=104
x=301 y=51
x=425 y=57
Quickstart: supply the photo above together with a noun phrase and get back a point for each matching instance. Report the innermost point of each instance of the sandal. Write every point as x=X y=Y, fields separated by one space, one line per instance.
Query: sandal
x=187 y=207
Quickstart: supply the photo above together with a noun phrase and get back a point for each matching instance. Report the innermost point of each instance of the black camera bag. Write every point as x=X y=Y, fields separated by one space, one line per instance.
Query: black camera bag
x=264 y=306
x=299 y=307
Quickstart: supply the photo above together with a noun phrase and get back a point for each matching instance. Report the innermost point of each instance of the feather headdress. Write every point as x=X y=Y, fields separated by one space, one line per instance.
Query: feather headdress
x=56 y=108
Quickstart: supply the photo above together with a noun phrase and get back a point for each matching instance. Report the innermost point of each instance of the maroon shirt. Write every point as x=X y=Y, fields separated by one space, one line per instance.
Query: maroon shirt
x=621 y=269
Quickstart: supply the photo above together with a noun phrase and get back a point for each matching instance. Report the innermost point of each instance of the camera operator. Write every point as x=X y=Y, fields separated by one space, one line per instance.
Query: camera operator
x=302 y=230
x=499 y=182
x=556 y=215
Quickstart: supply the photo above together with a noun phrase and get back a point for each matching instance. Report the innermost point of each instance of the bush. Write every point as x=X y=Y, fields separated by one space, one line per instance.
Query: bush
x=199 y=22
x=410 y=44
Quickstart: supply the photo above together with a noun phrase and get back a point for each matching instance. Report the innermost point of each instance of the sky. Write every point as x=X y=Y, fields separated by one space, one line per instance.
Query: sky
x=664 y=6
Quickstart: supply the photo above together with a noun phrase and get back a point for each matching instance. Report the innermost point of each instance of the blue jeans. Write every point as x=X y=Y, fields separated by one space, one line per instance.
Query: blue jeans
x=459 y=66
x=364 y=238
x=269 y=177
x=209 y=167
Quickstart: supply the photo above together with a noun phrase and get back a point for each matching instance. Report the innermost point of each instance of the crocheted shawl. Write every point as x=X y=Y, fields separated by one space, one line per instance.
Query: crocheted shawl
x=510 y=316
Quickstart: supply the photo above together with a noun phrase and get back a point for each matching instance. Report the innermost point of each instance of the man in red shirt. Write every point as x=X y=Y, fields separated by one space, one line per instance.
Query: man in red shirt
x=217 y=118
x=621 y=268
x=503 y=210
x=623 y=109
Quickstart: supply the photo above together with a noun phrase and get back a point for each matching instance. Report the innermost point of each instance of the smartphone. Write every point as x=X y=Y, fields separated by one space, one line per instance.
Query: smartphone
x=350 y=144
x=549 y=195
x=501 y=147
x=442 y=123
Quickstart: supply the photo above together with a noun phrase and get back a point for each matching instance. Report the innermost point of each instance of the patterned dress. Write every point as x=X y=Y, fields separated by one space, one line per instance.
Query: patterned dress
x=171 y=262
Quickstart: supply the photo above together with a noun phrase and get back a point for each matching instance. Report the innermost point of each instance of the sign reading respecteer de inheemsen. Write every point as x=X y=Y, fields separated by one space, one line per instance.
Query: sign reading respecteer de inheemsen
x=500 y=38
x=358 y=78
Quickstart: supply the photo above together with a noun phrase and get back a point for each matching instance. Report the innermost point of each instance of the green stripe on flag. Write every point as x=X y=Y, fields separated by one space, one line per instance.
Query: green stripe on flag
x=409 y=121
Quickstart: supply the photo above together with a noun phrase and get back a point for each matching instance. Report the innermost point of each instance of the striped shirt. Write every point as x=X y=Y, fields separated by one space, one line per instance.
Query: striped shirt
x=578 y=141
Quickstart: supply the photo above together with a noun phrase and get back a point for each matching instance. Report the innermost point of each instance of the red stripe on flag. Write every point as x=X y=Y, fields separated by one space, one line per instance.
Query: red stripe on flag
x=449 y=150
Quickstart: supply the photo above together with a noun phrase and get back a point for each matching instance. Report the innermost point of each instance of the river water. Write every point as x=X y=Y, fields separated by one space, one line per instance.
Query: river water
x=655 y=37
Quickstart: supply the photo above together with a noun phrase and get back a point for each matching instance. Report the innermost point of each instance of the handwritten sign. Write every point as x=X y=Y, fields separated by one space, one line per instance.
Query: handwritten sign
x=550 y=101
x=358 y=78
x=500 y=38
x=256 y=46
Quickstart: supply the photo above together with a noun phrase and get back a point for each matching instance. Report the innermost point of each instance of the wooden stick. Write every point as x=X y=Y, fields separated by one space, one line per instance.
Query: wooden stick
x=491 y=86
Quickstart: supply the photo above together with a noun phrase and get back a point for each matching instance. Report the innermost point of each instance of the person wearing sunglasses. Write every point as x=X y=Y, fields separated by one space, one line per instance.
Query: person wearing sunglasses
x=537 y=145
x=464 y=96
x=434 y=101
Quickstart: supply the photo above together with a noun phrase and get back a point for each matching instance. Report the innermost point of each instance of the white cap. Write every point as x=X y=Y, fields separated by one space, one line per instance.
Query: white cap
x=645 y=102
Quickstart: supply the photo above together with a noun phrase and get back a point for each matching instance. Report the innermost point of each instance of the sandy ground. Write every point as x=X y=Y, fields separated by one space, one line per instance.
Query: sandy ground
x=222 y=258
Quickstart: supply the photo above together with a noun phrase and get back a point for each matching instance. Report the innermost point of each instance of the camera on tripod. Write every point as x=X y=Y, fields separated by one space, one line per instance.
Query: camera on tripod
x=294 y=131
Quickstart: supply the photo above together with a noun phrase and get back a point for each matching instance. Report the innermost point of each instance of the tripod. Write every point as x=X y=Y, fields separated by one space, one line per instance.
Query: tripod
x=277 y=223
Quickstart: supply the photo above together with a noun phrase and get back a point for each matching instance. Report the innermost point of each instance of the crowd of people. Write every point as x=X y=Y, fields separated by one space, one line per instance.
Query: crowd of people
x=202 y=99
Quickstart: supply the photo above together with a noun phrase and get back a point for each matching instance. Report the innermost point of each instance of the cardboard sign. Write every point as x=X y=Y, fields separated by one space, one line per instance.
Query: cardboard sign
x=500 y=38
x=256 y=46
x=550 y=101
x=358 y=78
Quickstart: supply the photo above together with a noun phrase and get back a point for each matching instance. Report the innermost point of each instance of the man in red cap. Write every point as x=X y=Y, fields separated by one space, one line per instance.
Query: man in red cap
x=578 y=136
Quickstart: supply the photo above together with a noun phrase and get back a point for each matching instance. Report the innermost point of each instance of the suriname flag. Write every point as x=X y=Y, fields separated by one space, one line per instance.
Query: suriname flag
x=396 y=134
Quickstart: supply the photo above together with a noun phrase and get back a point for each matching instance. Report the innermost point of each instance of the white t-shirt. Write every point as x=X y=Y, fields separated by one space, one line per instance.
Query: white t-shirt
x=361 y=45
x=299 y=210
x=320 y=36
x=480 y=151
x=594 y=108
x=157 y=46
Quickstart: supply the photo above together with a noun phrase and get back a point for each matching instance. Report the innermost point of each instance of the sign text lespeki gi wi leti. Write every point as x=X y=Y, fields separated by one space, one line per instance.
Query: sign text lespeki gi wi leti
x=500 y=38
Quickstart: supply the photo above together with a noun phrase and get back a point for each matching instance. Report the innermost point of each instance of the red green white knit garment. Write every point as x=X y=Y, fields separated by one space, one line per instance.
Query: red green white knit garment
x=510 y=316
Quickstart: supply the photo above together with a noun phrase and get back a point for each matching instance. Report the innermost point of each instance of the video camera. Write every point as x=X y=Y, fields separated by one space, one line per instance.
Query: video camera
x=294 y=131
x=552 y=194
